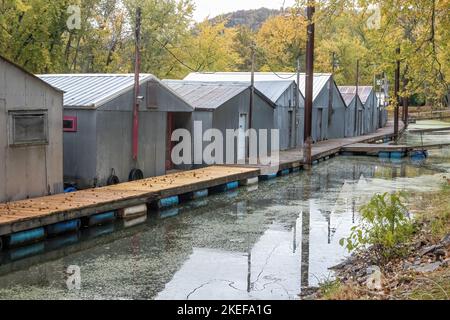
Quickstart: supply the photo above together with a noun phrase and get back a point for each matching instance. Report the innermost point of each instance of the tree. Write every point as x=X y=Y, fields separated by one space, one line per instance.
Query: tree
x=282 y=39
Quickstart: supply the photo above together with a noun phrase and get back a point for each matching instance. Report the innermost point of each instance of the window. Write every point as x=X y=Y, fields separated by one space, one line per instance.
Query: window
x=70 y=124
x=28 y=128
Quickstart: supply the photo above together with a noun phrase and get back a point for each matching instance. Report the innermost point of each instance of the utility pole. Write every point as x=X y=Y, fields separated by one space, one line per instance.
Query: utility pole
x=252 y=97
x=310 y=10
x=330 y=86
x=137 y=66
x=357 y=120
x=297 y=103
x=396 y=94
x=405 y=101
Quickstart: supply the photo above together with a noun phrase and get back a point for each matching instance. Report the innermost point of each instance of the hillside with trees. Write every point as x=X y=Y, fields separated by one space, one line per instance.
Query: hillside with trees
x=35 y=34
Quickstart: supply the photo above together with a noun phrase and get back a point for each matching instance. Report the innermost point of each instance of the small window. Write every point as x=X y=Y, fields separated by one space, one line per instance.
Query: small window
x=70 y=124
x=28 y=128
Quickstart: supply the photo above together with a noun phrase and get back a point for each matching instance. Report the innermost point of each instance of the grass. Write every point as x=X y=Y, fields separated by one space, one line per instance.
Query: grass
x=436 y=214
x=433 y=219
x=431 y=287
x=335 y=290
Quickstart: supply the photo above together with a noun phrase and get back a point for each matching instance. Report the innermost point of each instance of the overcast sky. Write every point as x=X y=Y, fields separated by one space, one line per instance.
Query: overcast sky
x=212 y=8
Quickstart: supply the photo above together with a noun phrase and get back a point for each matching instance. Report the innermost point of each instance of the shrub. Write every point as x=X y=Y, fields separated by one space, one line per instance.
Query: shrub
x=385 y=225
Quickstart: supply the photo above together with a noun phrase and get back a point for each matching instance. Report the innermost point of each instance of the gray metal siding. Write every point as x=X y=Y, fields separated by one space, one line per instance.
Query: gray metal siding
x=320 y=123
x=336 y=128
x=114 y=148
x=80 y=149
x=283 y=116
x=29 y=171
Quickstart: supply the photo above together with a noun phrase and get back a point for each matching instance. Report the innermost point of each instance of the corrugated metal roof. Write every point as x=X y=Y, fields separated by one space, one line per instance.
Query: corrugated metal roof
x=206 y=95
x=348 y=98
x=273 y=89
x=320 y=79
x=92 y=90
x=363 y=91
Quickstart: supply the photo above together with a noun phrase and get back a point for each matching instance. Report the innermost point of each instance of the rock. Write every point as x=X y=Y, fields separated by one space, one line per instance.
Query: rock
x=446 y=241
x=430 y=249
x=429 y=267
x=440 y=253
x=350 y=260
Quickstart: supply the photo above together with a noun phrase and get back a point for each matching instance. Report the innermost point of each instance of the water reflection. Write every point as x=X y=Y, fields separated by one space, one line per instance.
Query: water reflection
x=261 y=242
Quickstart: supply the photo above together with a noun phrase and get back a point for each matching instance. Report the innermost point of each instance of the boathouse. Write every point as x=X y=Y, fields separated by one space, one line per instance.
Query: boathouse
x=30 y=135
x=321 y=95
x=223 y=106
x=353 y=102
x=358 y=112
x=369 y=100
x=98 y=125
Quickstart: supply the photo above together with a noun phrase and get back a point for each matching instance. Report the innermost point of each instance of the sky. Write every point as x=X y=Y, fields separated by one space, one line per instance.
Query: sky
x=212 y=8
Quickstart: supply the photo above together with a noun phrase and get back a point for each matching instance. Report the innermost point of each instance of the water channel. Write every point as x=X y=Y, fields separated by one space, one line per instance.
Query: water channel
x=260 y=242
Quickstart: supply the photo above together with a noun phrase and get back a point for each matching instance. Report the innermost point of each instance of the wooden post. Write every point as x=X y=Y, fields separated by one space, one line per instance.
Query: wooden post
x=309 y=83
x=137 y=63
x=396 y=95
x=356 y=100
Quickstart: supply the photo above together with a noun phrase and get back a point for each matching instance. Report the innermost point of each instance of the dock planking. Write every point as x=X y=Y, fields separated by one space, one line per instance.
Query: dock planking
x=328 y=148
x=32 y=213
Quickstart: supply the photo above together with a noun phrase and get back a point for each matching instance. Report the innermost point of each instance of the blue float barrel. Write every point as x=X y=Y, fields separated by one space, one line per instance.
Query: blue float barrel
x=232 y=185
x=200 y=194
x=101 y=218
x=397 y=155
x=168 y=202
x=70 y=189
x=25 y=237
x=283 y=172
x=63 y=227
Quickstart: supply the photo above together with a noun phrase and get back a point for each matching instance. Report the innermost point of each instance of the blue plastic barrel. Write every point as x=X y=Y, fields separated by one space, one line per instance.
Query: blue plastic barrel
x=383 y=155
x=70 y=189
x=284 y=172
x=168 y=202
x=200 y=194
x=102 y=218
x=296 y=169
x=63 y=227
x=232 y=185
x=24 y=237
x=397 y=155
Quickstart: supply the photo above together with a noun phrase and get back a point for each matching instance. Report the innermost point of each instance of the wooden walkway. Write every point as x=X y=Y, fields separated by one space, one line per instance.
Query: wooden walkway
x=328 y=148
x=37 y=212
x=32 y=213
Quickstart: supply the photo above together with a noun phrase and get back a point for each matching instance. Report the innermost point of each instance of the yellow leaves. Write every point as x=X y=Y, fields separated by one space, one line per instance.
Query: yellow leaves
x=21 y=6
x=282 y=39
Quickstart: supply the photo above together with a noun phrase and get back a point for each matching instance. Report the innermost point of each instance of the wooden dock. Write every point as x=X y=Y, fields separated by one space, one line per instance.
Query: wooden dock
x=39 y=212
x=32 y=213
x=324 y=149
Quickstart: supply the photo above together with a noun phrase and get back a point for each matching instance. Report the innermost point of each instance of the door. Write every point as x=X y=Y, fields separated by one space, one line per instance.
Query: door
x=241 y=137
x=169 y=143
x=319 y=124
x=290 y=129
